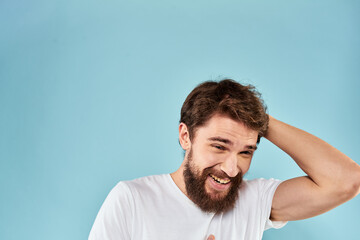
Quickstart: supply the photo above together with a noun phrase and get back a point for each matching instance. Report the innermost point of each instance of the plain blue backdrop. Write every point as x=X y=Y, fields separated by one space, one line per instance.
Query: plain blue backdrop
x=91 y=91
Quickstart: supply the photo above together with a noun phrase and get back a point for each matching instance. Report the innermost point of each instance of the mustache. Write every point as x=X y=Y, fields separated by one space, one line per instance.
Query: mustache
x=220 y=174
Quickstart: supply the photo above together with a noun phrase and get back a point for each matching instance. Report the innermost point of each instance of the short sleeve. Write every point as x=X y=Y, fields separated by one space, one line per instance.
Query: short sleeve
x=268 y=188
x=114 y=219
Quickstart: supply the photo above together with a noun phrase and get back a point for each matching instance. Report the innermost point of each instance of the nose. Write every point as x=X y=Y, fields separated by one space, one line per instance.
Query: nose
x=230 y=166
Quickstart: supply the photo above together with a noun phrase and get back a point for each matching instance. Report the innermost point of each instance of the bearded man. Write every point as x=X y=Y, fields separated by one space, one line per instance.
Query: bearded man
x=207 y=198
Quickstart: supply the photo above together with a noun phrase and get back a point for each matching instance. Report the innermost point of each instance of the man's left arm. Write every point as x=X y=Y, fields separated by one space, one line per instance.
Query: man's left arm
x=332 y=177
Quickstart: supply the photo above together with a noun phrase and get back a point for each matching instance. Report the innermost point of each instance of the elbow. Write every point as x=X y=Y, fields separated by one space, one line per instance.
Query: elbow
x=352 y=187
x=357 y=185
x=348 y=185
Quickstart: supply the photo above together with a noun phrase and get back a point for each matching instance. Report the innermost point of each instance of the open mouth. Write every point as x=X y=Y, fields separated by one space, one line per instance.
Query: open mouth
x=219 y=180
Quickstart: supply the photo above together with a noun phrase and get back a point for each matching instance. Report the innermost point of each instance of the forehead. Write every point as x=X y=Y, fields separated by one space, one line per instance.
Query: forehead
x=225 y=127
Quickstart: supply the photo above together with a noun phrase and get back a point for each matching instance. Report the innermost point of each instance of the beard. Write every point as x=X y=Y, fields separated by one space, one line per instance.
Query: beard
x=196 y=191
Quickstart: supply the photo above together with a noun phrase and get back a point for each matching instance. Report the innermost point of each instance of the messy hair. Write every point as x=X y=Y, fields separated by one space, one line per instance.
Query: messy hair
x=240 y=102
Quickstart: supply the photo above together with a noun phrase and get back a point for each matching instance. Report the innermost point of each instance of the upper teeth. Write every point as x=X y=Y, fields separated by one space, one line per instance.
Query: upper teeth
x=222 y=181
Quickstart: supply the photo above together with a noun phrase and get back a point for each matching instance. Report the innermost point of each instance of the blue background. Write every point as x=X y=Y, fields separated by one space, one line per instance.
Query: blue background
x=91 y=91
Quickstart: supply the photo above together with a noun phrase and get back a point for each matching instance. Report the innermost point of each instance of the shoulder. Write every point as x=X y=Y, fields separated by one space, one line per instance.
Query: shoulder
x=259 y=187
x=259 y=183
x=148 y=180
x=257 y=195
x=144 y=185
x=145 y=182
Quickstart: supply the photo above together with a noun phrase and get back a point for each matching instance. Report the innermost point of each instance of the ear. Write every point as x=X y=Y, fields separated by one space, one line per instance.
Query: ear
x=184 y=137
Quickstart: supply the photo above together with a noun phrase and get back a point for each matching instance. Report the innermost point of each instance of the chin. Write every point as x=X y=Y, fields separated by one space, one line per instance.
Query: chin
x=217 y=196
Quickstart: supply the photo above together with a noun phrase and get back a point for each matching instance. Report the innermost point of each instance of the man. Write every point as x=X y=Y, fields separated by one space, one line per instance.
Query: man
x=206 y=198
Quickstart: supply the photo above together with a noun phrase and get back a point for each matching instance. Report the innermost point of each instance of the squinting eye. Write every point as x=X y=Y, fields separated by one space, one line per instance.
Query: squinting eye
x=246 y=152
x=219 y=147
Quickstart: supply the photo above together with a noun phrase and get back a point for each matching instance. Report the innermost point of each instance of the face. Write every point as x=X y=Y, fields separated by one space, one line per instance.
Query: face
x=218 y=156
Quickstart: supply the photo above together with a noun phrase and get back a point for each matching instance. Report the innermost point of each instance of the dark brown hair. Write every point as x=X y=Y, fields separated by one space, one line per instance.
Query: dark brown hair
x=240 y=102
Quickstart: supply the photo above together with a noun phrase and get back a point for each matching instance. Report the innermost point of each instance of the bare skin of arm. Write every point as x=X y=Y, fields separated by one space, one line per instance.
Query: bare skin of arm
x=332 y=177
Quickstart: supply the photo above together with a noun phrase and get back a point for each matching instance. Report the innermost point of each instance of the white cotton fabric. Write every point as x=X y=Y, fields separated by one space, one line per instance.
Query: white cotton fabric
x=154 y=208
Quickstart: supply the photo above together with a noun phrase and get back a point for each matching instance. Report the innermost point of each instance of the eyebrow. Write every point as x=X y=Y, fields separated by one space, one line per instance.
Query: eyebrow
x=251 y=147
x=220 y=139
x=227 y=141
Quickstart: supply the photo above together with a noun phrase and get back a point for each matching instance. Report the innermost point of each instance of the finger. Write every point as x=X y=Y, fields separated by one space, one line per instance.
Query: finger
x=211 y=237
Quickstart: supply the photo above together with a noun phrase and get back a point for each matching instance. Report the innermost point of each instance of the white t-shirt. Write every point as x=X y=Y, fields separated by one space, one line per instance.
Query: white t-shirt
x=154 y=208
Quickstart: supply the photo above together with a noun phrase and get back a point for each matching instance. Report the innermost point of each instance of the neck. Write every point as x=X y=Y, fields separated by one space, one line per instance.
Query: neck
x=178 y=178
